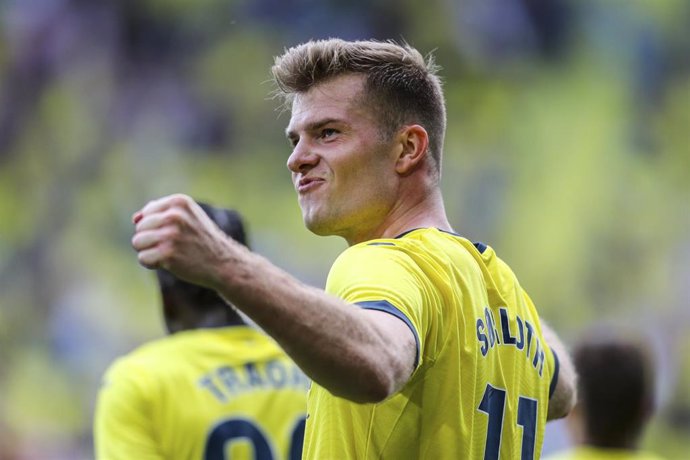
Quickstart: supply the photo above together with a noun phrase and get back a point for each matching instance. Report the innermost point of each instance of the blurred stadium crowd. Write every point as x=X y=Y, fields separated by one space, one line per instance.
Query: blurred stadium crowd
x=568 y=149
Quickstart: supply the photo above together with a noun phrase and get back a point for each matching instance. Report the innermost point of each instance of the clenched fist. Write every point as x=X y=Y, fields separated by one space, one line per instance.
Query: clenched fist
x=174 y=233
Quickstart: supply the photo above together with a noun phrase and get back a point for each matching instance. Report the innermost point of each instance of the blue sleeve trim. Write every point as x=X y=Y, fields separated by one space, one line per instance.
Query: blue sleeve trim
x=385 y=306
x=481 y=247
x=554 y=377
x=380 y=243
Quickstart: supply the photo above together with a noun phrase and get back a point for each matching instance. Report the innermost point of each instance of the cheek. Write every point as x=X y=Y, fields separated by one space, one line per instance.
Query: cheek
x=371 y=192
x=374 y=177
x=365 y=173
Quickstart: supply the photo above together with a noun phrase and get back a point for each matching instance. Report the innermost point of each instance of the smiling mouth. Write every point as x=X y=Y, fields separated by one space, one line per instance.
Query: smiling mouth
x=307 y=184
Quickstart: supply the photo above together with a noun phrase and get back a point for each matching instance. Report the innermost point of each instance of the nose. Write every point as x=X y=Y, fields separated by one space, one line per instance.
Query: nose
x=302 y=158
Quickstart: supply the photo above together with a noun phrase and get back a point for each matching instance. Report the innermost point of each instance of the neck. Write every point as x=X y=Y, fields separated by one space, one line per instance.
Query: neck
x=188 y=319
x=416 y=210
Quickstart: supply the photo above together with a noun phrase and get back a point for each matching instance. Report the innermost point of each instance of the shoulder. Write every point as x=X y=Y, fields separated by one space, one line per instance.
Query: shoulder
x=138 y=362
x=443 y=243
x=648 y=456
x=379 y=269
x=373 y=256
x=561 y=456
x=593 y=453
x=575 y=453
x=404 y=248
x=125 y=390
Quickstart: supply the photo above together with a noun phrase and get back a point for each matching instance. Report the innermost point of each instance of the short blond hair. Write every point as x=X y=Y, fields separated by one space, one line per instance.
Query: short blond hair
x=401 y=86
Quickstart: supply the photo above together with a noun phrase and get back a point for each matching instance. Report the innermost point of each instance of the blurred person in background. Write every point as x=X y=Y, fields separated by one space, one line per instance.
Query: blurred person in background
x=616 y=392
x=215 y=385
x=423 y=345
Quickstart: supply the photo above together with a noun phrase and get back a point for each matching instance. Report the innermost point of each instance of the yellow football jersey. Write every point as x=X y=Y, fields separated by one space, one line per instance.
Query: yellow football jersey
x=202 y=394
x=483 y=377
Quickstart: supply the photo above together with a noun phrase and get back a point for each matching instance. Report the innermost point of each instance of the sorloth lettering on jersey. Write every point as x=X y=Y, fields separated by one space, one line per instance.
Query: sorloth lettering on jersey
x=513 y=332
x=226 y=382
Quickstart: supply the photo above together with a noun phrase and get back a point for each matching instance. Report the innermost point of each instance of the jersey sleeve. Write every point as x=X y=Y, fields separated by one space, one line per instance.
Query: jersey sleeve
x=123 y=428
x=382 y=277
x=506 y=277
x=552 y=365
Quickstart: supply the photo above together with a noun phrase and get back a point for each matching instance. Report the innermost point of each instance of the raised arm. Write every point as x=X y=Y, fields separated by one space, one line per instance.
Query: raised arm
x=361 y=355
x=564 y=396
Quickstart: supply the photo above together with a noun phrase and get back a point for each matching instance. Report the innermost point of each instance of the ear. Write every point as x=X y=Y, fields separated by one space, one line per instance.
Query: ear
x=415 y=142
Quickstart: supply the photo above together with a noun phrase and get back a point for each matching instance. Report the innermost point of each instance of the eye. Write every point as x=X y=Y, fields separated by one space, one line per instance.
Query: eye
x=293 y=140
x=328 y=132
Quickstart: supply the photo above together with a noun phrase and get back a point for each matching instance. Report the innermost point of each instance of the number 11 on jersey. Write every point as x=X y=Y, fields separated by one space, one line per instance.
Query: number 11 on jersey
x=493 y=404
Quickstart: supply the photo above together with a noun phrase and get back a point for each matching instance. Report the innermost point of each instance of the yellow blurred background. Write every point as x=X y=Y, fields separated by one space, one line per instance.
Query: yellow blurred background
x=568 y=151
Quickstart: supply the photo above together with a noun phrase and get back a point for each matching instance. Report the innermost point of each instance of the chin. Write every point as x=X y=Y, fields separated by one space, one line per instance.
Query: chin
x=316 y=229
x=317 y=226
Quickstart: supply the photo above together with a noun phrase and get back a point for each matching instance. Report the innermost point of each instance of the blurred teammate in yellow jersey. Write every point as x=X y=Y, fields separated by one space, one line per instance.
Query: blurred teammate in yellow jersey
x=616 y=399
x=423 y=345
x=215 y=388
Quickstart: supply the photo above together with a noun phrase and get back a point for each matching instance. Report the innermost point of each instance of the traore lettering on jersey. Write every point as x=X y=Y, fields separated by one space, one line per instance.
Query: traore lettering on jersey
x=513 y=332
x=226 y=382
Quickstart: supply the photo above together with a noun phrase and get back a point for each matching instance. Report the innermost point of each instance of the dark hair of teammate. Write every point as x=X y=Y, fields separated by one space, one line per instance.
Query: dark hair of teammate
x=615 y=390
x=189 y=306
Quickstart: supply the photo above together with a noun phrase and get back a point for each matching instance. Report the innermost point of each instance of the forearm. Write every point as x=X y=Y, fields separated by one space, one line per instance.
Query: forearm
x=564 y=396
x=360 y=355
x=336 y=344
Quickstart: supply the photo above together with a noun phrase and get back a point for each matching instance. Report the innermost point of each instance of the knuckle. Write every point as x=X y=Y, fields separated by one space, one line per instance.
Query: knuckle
x=172 y=233
x=172 y=217
x=180 y=200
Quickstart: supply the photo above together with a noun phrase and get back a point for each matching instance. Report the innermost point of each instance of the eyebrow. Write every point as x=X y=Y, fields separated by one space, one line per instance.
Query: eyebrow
x=314 y=126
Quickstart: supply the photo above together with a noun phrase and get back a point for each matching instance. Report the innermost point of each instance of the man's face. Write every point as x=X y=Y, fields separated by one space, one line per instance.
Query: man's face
x=342 y=169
